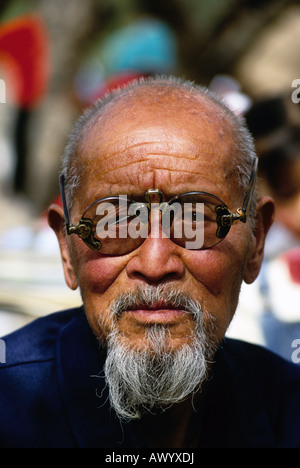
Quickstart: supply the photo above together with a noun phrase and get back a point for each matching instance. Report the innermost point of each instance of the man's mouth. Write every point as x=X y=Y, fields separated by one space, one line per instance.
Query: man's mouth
x=157 y=313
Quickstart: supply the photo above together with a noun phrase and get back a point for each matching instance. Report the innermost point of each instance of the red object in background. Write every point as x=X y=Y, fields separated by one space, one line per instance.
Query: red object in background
x=114 y=82
x=24 y=59
x=293 y=260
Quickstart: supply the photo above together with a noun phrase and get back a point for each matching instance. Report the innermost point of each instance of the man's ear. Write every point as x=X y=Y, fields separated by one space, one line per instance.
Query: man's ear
x=56 y=221
x=265 y=210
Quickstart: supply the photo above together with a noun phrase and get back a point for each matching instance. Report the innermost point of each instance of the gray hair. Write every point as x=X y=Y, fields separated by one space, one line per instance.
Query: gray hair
x=244 y=145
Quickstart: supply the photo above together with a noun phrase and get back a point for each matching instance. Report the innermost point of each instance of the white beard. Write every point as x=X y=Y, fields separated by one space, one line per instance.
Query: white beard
x=157 y=376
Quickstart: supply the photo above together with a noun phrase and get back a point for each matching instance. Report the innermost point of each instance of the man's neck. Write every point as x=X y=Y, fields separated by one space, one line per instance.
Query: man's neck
x=170 y=428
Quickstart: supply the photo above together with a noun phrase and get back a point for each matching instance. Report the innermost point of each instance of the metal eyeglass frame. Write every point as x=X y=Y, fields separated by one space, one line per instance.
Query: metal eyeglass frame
x=225 y=217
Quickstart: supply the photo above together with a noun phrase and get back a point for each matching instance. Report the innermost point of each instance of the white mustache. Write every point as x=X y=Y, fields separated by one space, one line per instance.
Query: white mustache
x=155 y=297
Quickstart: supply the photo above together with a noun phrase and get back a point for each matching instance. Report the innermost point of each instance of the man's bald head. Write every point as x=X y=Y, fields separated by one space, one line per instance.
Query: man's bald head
x=164 y=96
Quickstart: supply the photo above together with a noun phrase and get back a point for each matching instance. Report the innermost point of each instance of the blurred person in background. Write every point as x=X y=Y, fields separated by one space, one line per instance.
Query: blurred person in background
x=26 y=71
x=275 y=125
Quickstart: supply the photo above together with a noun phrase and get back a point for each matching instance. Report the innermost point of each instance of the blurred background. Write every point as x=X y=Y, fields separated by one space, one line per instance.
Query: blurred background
x=57 y=57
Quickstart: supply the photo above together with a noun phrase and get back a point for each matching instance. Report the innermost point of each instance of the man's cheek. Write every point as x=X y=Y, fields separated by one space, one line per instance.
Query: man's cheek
x=96 y=276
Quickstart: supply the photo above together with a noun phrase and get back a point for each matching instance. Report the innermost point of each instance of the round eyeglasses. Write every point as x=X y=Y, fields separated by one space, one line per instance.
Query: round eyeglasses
x=118 y=225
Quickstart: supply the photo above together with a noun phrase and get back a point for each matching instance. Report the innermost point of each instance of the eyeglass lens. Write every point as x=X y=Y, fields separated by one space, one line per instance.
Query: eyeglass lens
x=122 y=225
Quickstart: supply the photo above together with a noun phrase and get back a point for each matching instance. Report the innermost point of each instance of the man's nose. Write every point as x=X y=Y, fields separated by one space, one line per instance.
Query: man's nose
x=157 y=260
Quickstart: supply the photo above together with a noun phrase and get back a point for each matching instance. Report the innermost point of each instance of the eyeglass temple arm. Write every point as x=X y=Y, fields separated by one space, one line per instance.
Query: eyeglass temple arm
x=226 y=218
x=85 y=227
x=64 y=200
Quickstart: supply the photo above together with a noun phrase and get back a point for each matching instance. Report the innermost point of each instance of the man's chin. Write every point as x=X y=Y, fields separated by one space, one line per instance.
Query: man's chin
x=155 y=375
x=137 y=334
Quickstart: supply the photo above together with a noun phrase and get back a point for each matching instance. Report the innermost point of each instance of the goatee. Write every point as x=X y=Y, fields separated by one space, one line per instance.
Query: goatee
x=156 y=376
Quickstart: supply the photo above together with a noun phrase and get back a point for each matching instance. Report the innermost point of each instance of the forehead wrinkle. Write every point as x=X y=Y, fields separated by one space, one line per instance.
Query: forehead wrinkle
x=114 y=172
x=130 y=157
x=172 y=163
x=170 y=147
x=170 y=181
x=146 y=162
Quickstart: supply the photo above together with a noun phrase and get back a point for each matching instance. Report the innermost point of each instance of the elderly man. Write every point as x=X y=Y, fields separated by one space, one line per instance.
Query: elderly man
x=160 y=227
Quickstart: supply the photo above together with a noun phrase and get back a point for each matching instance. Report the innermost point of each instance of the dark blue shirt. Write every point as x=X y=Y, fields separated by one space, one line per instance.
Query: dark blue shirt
x=53 y=393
